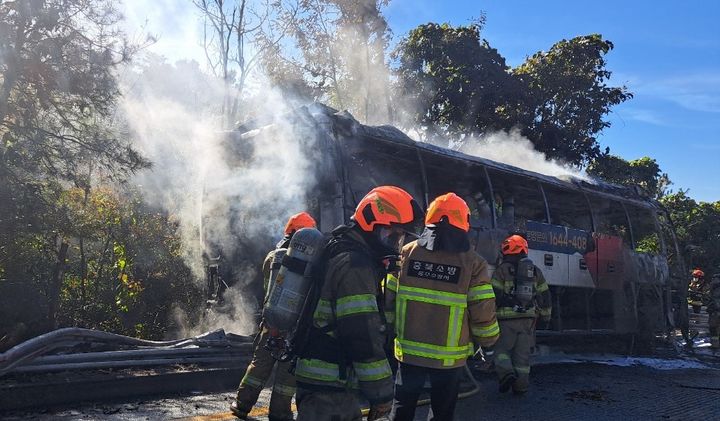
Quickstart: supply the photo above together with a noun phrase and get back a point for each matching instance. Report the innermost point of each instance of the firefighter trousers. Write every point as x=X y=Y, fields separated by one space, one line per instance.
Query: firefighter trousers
x=714 y=324
x=410 y=383
x=325 y=405
x=512 y=351
x=257 y=375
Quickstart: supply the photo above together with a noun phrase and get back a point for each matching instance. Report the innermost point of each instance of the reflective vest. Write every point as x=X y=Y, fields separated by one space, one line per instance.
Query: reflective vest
x=443 y=303
x=503 y=282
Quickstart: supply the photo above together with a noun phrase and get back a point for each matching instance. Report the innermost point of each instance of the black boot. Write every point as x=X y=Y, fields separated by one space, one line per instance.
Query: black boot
x=506 y=382
x=239 y=412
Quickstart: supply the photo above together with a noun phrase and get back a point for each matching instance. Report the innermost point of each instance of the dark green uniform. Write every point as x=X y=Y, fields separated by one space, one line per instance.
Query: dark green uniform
x=346 y=353
x=517 y=325
x=260 y=369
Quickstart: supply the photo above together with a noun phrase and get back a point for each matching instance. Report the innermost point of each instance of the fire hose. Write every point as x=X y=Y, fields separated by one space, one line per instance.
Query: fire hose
x=30 y=354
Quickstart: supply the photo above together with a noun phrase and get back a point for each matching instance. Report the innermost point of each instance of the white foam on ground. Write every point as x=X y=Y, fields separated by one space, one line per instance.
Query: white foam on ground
x=656 y=363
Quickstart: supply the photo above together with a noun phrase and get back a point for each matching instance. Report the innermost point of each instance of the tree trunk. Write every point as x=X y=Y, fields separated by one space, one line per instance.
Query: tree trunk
x=55 y=284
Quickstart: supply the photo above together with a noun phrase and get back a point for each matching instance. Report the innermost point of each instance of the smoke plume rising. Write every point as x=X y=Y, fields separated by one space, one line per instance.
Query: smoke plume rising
x=225 y=204
x=514 y=149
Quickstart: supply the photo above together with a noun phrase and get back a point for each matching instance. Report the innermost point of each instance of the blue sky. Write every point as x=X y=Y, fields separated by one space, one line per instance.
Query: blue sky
x=666 y=52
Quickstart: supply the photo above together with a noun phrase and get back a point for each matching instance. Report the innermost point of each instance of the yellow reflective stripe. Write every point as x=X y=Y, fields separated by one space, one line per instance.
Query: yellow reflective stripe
x=252 y=381
x=436 y=352
x=323 y=313
x=432 y=296
x=523 y=369
x=391 y=282
x=323 y=310
x=284 y=389
x=498 y=284
x=542 y=287
x=356 y=304
x=455 y=322
x=317 y=370
x=481 y=292
x=502 y=357
x=545 y=311
x=368 y=372
x=509 y=313
x=486 y=331
x=400 y=317
x=455 y=325
x=456 y=303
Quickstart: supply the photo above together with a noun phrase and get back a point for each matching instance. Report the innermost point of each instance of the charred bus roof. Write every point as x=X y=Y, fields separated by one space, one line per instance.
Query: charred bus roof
x=345 y=125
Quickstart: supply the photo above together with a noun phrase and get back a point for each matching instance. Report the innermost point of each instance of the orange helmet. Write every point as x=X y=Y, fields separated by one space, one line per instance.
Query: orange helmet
x=453 y=208
x=515 y=244
x=386 y=205
x=698 y=273
x=299 y=220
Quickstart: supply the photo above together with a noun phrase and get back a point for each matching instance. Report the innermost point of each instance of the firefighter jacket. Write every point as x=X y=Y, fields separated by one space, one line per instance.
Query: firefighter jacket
x=267 y=263
x=346 y=350
x=503 y=282
x=443 y=303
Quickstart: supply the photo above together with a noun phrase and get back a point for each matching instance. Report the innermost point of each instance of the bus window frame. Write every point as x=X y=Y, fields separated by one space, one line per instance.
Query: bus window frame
x=626 y=241
x=593 y=225
x=661 y=235
x=656 y=223
x=502 y=173
x=630 y=227
x=493 y=212
x=572 y=191
x=544 y=196
x=423 y=173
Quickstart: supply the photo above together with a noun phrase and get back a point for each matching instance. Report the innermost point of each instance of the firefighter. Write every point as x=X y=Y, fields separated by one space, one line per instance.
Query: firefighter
x=345 y=350
x=518 y=306
x=713 y=310
x=444 y=303
x=698 y=290
x=261 y=366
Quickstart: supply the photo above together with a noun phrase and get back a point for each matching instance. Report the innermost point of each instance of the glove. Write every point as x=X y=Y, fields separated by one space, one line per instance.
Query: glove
x=489 y=353
x=379 y=410
x=483 y=363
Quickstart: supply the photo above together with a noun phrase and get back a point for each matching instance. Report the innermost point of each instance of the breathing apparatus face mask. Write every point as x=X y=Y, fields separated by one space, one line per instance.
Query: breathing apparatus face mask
x=391 y=237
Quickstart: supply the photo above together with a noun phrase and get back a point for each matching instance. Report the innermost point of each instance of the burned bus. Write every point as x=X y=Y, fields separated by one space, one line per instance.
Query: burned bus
x=608 y=252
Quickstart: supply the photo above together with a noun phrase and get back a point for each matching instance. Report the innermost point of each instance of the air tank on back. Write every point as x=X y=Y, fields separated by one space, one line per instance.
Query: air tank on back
x=525 y=282
x=290 y=286
x=275 y=266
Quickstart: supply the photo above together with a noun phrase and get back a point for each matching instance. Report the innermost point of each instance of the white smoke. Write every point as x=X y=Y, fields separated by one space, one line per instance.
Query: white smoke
x=514 y=149
x=238 y=205
x=166 y=110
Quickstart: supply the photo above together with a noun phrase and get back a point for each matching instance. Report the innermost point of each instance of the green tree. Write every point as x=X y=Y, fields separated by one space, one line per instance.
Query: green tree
x=57 y=98
x=452 y=82
x=455 y=84
x=126 y=272
x=644 y=172
x=337 y=56
x=697 y=225
x=568 y=98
